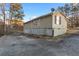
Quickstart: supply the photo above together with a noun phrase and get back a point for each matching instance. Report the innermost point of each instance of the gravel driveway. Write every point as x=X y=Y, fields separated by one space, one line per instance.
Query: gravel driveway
x=25 y=46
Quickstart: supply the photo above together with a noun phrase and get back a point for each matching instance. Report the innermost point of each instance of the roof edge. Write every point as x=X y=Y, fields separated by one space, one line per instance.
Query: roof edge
x=44 y=16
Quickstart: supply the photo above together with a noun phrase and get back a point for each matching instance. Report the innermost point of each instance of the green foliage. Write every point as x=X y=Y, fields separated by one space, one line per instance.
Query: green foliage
x=16 y=11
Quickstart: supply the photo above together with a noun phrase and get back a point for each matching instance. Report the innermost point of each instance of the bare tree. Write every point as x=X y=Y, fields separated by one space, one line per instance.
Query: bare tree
x=3 y=13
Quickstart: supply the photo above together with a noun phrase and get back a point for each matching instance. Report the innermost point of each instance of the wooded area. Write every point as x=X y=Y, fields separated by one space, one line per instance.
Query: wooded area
x=11 y=17
x=71 y=11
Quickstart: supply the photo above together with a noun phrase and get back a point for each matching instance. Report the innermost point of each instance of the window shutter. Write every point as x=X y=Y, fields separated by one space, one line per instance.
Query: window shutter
x=55 y=19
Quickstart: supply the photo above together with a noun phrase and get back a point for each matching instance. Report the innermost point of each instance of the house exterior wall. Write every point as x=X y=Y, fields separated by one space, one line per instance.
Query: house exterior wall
x=46 y=26
x=59 y=29
x=41 y=26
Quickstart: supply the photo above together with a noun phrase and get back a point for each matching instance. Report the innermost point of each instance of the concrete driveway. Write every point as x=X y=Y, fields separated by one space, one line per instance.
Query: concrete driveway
x=24 y=46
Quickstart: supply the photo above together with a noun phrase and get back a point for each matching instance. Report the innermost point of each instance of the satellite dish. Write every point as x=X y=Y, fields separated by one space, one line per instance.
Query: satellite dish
x=52 y=9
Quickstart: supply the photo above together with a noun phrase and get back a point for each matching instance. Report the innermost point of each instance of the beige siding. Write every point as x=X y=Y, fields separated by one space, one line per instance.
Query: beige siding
x=63 y=21
x=27 y=26
x=41 y=26
x=45 y=22
x=46 y=25
x=59 y=28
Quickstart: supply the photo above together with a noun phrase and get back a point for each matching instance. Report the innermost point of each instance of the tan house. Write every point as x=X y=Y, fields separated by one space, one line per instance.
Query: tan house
x=52 y=24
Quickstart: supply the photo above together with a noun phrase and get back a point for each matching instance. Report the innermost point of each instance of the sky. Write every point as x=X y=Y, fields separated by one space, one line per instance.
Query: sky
x=33 y=10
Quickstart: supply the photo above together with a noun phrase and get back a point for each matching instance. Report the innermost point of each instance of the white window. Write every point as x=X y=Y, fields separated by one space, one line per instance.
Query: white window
x=58 y=20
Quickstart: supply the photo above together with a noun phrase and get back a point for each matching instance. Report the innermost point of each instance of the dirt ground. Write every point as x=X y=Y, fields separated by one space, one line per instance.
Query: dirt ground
x=19 y=45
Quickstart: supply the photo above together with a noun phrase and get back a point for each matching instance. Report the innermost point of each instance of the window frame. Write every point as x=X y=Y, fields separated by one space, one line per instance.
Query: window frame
x=57 y=20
